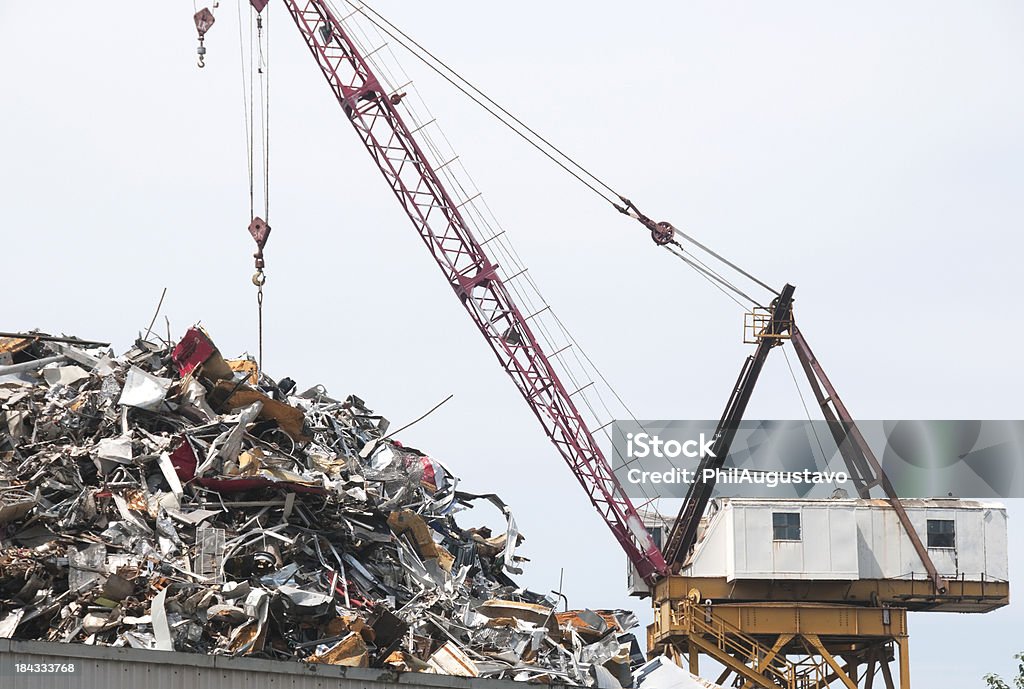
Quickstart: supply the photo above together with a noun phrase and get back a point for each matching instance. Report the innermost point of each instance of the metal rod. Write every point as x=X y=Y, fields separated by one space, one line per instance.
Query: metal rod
x=581 y=389
x=418 y=419
x=159 y=305
x=470 y=199
x=425 y=124
x=30 y=365
x=559 y=351
x=54 y=338
x=513 y=277
x=484 y=243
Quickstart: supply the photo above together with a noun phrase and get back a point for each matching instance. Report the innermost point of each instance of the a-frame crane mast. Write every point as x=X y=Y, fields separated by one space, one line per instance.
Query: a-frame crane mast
x=683 y=534
x=470 y=272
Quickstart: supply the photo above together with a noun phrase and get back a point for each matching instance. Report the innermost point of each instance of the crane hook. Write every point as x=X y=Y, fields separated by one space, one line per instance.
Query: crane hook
x=204 y=20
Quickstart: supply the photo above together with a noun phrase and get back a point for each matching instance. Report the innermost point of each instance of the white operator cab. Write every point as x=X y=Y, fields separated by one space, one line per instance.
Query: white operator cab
x=751 y=539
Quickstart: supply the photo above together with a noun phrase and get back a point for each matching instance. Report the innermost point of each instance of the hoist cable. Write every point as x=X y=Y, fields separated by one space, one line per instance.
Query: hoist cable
x=721 y=278
x=266 y=129
x=677 y=250
x=481 y=95
x=726 y=261
x=263 y=69
x=807 y=411
x=704 y=274
x=249 y=119
x=245 y=108
x=475 y=94
x=259 y=327
x=252 y=128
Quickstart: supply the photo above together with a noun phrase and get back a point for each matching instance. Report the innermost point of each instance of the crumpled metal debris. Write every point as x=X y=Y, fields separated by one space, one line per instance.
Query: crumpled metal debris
x=172 y=499
x=662 y=673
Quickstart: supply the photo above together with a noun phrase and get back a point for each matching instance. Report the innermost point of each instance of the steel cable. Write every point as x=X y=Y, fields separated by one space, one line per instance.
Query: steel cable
x=475 y=94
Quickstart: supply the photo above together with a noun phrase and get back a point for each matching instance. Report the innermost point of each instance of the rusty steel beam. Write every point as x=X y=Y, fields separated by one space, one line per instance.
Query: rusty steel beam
x=860 y=472
x=803 y=350
x=766 y=660
x=838 y=669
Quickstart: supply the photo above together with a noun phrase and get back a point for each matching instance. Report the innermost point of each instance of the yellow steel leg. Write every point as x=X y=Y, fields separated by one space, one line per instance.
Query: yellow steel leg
x=766 y=661
x=735 y=665
x=887 y=674
x=815 y=643
x=904 y=663
x=869 y=676
x=694 y=659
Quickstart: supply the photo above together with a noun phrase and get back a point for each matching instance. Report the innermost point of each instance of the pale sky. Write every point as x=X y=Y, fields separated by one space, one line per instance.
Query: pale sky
x=871 y=154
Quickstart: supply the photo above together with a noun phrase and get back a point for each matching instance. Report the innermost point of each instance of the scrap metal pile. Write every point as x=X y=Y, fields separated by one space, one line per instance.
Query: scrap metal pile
x=171 y=499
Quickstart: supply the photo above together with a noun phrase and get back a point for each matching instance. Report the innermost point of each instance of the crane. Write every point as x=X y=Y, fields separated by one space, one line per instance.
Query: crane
x=474 y=277
x=470 y=272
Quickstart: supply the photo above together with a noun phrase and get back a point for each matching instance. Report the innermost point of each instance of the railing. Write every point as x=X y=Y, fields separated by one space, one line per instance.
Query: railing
x=701 y=620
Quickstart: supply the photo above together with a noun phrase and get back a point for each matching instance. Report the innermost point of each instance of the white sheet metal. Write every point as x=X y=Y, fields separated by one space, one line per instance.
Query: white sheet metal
x=143 y=390
x=848 y=540
x=103 y=666
x=662 y=673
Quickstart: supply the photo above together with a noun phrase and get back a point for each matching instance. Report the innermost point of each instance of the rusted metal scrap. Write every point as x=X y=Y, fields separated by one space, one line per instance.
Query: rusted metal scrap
x=169 y=498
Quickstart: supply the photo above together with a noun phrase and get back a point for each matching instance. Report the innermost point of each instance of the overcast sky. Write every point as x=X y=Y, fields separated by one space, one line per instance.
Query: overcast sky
x=871 y=154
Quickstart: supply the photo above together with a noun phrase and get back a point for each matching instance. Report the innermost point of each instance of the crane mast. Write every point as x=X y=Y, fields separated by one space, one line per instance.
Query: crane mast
x=469 y=271
x=683 y=534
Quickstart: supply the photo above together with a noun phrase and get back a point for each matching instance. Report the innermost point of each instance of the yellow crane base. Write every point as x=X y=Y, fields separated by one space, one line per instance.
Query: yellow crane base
x=795 y=645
